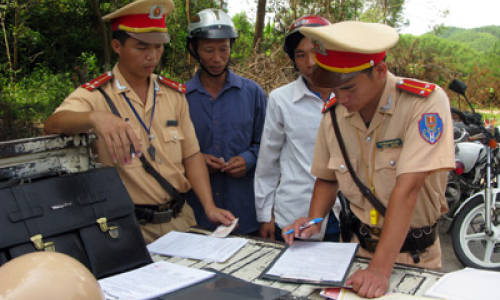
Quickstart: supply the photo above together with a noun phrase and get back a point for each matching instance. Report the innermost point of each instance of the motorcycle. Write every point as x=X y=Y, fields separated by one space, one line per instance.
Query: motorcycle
x=475 y=227
x=470 y=161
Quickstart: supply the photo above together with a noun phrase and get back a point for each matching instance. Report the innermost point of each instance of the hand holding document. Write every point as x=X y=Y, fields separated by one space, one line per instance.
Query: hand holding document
x=222 y=231
x=467 y=284
x=196 y=246
x=321 y=263
x=151 y=281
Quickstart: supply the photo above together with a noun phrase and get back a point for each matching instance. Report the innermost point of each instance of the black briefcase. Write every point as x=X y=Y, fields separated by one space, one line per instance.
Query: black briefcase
x=87 y=215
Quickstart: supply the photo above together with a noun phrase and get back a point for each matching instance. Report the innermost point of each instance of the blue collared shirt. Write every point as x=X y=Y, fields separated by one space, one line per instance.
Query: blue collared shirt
x=226 y=126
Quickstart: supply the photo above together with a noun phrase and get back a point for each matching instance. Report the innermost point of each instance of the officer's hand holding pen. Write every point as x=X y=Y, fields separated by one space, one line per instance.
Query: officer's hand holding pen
x=301 y=228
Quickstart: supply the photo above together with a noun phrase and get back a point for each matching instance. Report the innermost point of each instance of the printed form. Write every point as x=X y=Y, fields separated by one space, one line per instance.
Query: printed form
x=196 y=246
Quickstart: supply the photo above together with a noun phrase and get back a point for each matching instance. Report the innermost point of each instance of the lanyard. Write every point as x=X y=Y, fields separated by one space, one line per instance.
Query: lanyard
x=151 y=149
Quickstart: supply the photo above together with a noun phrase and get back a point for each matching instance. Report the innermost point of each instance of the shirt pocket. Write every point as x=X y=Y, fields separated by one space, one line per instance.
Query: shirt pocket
x=173 y=138
x=344 y=178
x=386 y=163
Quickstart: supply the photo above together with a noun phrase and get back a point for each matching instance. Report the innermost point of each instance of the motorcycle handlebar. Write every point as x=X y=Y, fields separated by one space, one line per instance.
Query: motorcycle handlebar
x=474 y=119
x=468 y=118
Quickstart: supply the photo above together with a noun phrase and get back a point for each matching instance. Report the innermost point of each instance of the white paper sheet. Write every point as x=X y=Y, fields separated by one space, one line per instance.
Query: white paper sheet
x=316 y=261
x=223 y=231
x=467 y=284
x=151 y=281
x=196 y=246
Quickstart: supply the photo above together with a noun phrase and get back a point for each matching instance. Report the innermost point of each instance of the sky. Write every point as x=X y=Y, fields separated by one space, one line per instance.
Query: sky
x=425 y=14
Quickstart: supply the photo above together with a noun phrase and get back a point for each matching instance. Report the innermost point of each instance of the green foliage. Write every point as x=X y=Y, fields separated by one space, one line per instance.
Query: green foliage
x=25 y=104
x=243 y=45
x=480 y=39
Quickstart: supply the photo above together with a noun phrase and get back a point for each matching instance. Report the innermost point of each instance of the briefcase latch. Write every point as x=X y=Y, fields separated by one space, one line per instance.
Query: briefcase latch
x=111 y=230
x=40 y=245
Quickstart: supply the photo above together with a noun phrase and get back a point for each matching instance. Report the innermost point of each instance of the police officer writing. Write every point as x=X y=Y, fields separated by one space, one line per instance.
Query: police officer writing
x=398 y=142
x=131 y=106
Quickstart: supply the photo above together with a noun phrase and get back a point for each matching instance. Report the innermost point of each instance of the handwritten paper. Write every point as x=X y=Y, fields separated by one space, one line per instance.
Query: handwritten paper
x=223 y=231
x=320 y=262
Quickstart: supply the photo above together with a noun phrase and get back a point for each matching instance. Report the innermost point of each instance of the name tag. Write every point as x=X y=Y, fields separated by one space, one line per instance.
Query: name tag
x=395 y=143
x=172 y=123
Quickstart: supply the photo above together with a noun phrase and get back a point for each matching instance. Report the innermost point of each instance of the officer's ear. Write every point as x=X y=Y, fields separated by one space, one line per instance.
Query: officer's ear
x=380 y=70
x=116 y=45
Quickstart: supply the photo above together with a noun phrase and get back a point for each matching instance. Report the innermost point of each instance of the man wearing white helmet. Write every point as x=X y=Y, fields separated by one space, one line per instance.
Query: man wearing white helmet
x=142 y=119
x=228 y=115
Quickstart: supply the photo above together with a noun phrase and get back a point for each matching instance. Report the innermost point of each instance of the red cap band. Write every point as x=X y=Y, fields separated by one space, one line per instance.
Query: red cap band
x=139 y=23
x=347 y=62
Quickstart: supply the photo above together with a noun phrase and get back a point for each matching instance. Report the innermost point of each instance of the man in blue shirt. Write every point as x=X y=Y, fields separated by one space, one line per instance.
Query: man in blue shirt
x=228 y=114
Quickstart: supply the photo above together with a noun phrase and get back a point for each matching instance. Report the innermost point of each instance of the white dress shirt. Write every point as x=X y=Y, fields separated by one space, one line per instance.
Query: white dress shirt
x=282 y=177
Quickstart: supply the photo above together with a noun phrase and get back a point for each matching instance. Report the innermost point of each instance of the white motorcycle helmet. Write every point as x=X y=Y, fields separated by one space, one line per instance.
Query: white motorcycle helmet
x=210 y=23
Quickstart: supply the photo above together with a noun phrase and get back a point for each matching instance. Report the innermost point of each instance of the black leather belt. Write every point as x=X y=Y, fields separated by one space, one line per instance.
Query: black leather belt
x=158 y=214
x=417 y=240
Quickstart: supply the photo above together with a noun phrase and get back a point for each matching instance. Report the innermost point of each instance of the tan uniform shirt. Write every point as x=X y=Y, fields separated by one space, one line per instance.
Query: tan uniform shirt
x=172 y=143
x=399 y=116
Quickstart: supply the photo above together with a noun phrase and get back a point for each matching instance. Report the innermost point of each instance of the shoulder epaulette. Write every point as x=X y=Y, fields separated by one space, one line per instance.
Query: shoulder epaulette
x=422 y=89
x=172 y=84
x=95 y=83
x=329 y=104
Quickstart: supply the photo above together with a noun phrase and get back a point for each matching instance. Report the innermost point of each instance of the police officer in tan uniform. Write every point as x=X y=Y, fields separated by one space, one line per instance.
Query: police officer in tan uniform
x=154 y=120
x=398 y=139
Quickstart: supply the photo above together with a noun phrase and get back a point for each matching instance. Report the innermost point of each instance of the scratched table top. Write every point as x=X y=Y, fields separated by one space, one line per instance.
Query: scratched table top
x=255 y=256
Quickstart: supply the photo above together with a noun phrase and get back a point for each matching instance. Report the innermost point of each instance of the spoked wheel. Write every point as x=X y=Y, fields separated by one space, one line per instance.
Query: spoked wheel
x=473 y=247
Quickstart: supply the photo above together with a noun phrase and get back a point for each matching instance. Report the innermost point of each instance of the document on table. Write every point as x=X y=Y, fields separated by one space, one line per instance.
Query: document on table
x=196 y=246
x=321 y=263
x=348 y=294
x=151 y=281
x=467 y=284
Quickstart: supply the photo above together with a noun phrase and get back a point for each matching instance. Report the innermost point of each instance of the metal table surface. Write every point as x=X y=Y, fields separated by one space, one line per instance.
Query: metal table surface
x=255 y=256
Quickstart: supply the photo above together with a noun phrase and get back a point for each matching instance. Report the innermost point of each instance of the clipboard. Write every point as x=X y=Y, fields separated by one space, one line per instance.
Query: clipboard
x=225 y=287
x=336 y=279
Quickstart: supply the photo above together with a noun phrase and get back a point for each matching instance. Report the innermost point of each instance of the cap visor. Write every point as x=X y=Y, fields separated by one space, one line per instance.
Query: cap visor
x=151 y=37
x=327 y=79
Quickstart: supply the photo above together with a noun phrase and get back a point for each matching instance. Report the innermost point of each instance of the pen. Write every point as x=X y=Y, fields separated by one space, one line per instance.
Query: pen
x=132 y=149
x=306 y=224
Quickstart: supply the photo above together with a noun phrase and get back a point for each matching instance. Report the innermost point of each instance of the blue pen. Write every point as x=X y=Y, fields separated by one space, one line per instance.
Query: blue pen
x=306 y=224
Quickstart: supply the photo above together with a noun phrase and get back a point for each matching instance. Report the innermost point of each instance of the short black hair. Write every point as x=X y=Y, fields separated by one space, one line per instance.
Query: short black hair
x=121 y=36
x=292 y=41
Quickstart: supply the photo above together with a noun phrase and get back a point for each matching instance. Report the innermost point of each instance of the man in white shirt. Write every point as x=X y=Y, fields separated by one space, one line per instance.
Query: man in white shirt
x=283 y=183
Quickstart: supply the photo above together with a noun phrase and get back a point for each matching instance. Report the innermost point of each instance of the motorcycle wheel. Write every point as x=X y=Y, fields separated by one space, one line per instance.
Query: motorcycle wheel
x=472 y=246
